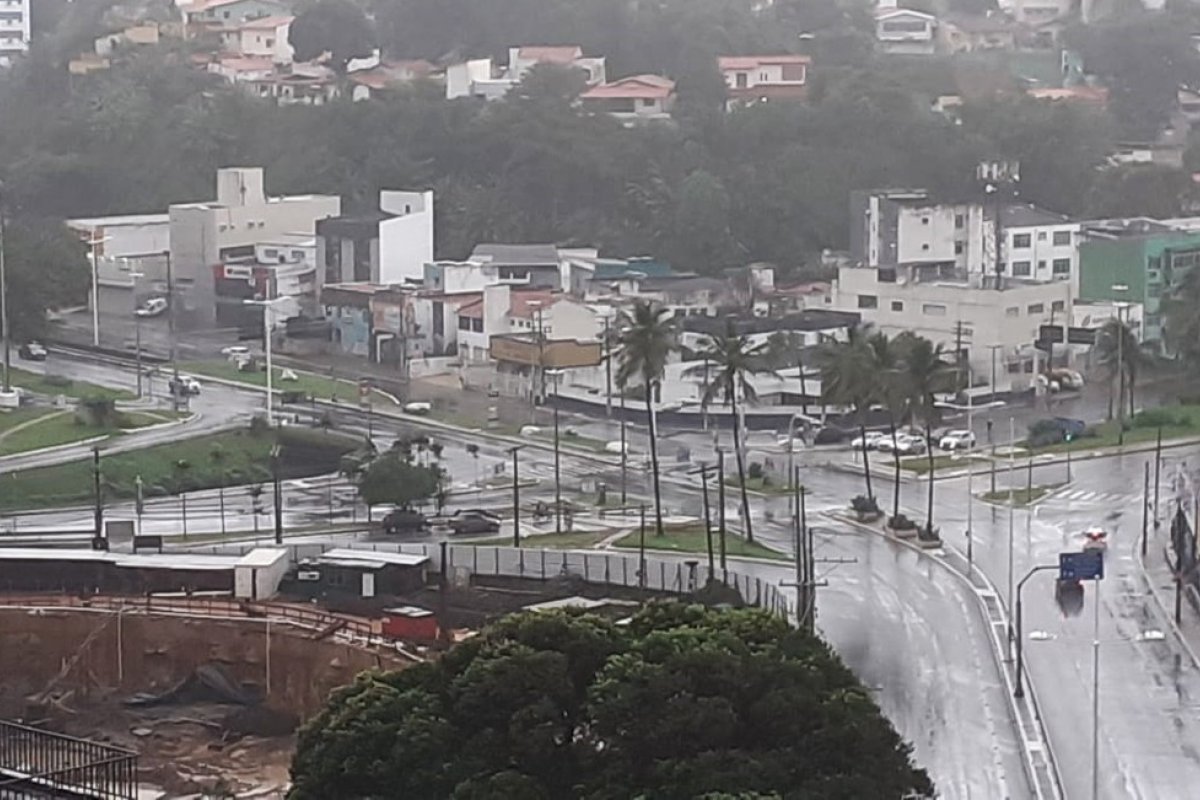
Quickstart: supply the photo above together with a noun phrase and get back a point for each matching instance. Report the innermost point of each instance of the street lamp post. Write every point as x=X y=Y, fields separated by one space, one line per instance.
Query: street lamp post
x=556 y=374
x=92 y=245
x=516 y=497
x=1019 y=690
x=970 y=409
x=137 y=330
x=4 y=300
x=1012 y=438
x=267 y=307
x=1120 y=330
x=175 y=388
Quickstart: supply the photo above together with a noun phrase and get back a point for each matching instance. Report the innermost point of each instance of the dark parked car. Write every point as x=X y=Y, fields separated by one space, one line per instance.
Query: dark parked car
x=403 y=521
x=474 y=521
x=32 y=351
x=829 y=435
x=1052 y=431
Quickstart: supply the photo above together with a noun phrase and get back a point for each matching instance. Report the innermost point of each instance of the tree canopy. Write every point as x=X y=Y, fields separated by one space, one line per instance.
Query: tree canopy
x=393 y=478
x=47 y=268
x=684 y=702
x=336 y=27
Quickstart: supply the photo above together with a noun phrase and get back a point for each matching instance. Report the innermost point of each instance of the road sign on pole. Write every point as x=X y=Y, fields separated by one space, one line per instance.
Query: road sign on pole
x=1087 y=565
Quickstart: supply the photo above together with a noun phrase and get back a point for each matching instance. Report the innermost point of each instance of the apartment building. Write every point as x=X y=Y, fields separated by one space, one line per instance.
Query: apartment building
x=14 y=30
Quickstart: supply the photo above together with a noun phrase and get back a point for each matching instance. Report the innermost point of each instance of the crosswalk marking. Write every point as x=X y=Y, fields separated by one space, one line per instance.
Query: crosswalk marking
x=1087 y=496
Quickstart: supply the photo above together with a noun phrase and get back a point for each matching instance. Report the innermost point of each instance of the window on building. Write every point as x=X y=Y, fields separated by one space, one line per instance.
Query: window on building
x=1021 y=241
x=897 y=305
x=1014 y=368
x=740 y=80
x=439 y=319
x=1062 y=238
x=271 y=252
x=933 y=310
x=1041 y=236
x=1058 y=305
x=298 y=255
x=477 y=325
x=1021 y=269
x=464 y=323
x=1012 y=311
x=1061 y=266
x=763 y=77
x=1035 y=308
x=924 y=220
x=868 y=301
x=960 y=221
x=958 y=248
x=886 y=275
x=1041 y=266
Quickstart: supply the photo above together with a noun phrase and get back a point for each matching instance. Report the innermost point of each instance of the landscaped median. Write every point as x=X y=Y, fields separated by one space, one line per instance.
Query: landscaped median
x=29 y=429
x=309 y=384
x=204 y=462
x=51 y=385
x=692 y=539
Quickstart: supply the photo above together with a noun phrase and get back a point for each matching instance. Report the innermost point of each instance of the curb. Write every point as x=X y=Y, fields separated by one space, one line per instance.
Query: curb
x=1035 y=749
x=1162 y=606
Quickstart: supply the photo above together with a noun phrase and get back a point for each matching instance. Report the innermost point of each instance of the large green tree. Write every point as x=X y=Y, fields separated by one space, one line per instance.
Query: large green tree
x=337 y=27
x=47 y=268
x=849 y=378
x=394 y=478
x=682 y=703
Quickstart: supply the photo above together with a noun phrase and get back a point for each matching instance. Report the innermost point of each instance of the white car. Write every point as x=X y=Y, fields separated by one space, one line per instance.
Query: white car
x=235 y=352
x=152 y=307
x=873 y=438
x=616 y=447
x=186 y=386
x=418 y=407
x=957 y=440
x=905 y=444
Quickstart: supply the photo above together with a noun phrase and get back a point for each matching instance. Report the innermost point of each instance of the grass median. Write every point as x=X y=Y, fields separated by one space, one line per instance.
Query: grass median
x=691 y=539
x=29 y=429
x=244 y=458
x=51 y=385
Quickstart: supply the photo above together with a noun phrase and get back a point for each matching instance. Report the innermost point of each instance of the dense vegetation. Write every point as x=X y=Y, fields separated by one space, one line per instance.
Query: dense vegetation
x=682 y=703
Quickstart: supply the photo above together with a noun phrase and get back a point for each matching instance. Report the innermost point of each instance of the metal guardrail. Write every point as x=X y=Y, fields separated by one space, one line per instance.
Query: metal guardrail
x=38 y=763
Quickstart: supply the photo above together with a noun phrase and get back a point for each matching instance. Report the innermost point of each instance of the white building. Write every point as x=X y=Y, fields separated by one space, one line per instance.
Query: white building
x=504 y=309
x=638 y=98
x=207 y=235
x=762 y=78
x=266 y=37
x=480 y=77
x=14 y=30
x=902 y=31
x=1038 y=245
x=519 y=265
x=134 y=243
x=992 y=325
x=906 y=226
x=405 y=236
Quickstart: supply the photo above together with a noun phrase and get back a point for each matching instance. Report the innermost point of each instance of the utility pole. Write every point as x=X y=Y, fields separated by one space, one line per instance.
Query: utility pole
x=624 y=451
x=278 y=499
x=171 y=304
x=1157 y=471
x=99 y=498
x=4 y=301
x=516 y=498
x=703 y=472
x=1145 y=507
x=642 y=548
x=721 y=511
x=607 y=369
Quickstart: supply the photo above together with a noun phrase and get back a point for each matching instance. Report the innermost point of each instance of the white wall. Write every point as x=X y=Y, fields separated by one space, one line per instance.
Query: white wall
x=1042 y=252
x=405 y=241
x=15 y=46
x=461 y=78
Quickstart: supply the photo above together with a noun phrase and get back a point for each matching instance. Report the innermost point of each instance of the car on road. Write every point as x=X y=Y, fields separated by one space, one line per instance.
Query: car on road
x=152 y=307
x=235 y=352
x=32 y=351
x=616 y=447
x=418 y=407
x=474 y=521
x=905 y=444
x=872 y=439
x=957 y=440
x=184 y=386
x=829 y=435
x=403 y=520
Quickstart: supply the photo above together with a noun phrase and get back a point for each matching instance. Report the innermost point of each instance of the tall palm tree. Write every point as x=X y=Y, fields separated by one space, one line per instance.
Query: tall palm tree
x=647 y=339
x=925 y=373
x=887 y=355
x=730 y=361
x=848 y=378
x=1118 y=350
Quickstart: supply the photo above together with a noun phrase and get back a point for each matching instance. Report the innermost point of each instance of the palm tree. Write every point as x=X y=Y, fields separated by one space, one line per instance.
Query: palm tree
x=734 y=360
x=647 y=339
x=848 y=378
x=925 y=374
x=1118 y=350
x=887 y=358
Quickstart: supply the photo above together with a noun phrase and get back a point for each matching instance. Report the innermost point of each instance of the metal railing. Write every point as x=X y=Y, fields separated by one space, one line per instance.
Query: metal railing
x=38 y=763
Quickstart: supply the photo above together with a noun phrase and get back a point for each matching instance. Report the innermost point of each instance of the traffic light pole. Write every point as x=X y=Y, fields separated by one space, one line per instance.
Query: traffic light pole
x=1019 y=690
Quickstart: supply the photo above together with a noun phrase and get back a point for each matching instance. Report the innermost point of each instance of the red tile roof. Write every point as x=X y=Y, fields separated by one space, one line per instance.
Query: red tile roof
x=635 y=87
x=753 y=62
x=525 y=304
x=472 y=310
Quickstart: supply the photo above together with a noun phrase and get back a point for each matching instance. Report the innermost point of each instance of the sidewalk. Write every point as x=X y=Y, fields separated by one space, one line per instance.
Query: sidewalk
x=1160 y=578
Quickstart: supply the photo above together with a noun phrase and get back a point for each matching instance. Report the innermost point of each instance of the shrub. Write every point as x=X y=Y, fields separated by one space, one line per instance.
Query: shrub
x=864 y=505
x=926 y=533
x=60 y=381
x=259 y=426
x=292 y=397
x=901 y=523
x=755 y=472
x=1165 y=417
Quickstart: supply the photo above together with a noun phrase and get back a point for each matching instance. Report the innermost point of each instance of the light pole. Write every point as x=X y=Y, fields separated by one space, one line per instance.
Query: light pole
x=267 y=309
x=1120 y=331
x=555 y=374
x=1012 y=439
x=175 y=388
x=92 y=245
x=516 y=497
x=137 y=330
x=4 y=300
x=1019 y=690
x=970 y=409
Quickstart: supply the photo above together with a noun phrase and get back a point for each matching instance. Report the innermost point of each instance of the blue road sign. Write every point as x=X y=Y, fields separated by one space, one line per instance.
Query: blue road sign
x=1086 y=565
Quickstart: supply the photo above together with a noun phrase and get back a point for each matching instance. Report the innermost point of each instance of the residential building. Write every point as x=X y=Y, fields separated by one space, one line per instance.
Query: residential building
x=480 y=77
x=136 y=35
x=14 y=30
x=993 y=325
x=390 y=246
x=527 y=265
x=803 y=329
x=203 y=15
x=283 y=267
x=1139 y=261
x=227 y=230
x=902 y=31
x=1036 y=13
x=376 y=80
x=905 y=226
x=1084 y=95
x=541 y=313
x=265 y=37
x=638 y=98
x=756 y=79
x=1038 y=245
x=970 y=33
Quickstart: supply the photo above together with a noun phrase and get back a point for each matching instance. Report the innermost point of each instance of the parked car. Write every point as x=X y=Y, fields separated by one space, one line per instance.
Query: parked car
x=184 y=386
x=616 y=447
x=152 y=307
x=474 y=521
x=905 y=444
x=1058 y=429
x=829 y=435
x=872 y=439
x=418 y=408
x=32 y=351
x=235 y=352
x=957 y=440
x=403 y=521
